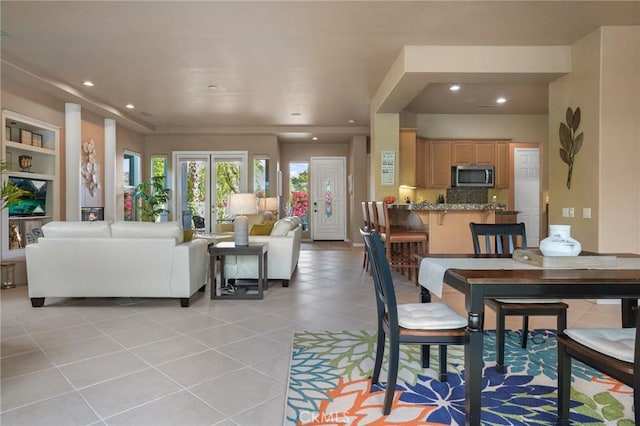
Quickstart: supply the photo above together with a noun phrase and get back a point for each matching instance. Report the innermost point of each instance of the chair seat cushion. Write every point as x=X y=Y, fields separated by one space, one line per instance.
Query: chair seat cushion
x=618 y=343
x=429 y=316
x=529 y=300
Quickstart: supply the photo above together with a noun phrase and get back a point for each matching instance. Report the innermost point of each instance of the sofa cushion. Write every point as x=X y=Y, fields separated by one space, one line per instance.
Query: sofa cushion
x=261 y=229
x=147 y=230
x=255 y=219
x=282 y=227
x=61 y=229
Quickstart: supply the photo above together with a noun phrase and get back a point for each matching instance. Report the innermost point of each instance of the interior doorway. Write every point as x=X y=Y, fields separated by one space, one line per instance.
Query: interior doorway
x=527 y=191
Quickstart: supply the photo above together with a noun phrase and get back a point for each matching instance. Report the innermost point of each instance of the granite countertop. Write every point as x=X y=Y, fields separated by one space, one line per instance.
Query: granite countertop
x=499 y=208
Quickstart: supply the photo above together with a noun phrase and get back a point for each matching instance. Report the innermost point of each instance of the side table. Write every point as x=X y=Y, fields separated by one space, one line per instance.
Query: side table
x=226 y=248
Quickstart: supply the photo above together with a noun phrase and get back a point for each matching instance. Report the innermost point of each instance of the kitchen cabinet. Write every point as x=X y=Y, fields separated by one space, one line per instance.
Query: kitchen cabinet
x=422 y=162
x=449 y=229
x=439 y=172
x=472 y=153
x=407 y=166
x=502 y=165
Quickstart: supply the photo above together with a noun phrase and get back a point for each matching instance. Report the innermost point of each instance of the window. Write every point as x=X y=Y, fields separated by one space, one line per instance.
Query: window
x=130 y=178
x=299 y=192
x=261 y=177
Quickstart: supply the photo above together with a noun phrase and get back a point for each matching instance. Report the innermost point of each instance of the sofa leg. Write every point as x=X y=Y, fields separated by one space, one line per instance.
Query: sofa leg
x=201 y=289
x=184 y=302
x=285 y=283
x=37 y=302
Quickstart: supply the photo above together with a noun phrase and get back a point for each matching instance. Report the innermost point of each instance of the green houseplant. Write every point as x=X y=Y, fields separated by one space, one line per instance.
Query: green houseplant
x=152 y=198
x=9 y=193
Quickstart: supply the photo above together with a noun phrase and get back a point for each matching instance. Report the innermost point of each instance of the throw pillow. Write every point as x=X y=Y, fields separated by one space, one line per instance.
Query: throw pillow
x=261 y=229
x=281 y=228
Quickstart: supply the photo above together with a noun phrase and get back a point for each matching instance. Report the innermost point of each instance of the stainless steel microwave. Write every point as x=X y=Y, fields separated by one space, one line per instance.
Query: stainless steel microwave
x=478 y=176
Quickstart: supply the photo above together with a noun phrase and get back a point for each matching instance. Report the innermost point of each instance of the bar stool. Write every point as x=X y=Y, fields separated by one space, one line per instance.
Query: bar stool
x=400 y=244
x=367 y=228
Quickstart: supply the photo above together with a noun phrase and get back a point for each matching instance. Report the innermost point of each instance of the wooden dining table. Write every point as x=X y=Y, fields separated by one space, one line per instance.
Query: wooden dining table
x=485 y=276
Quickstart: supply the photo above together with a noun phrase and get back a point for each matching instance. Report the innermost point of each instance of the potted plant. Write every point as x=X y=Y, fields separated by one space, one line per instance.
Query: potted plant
x=153 y=198
x=9 y=193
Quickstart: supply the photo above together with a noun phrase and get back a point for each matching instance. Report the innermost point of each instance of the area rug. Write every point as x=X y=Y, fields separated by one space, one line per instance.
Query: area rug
x=329 y=385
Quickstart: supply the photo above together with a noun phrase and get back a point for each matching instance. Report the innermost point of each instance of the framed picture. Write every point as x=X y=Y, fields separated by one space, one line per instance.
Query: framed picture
x=89 y=214
x=25 y=136
x=32 y=229
x=36 y=139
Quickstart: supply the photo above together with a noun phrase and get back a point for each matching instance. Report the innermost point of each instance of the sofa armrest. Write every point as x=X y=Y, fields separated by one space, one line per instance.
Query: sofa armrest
x=190 y=267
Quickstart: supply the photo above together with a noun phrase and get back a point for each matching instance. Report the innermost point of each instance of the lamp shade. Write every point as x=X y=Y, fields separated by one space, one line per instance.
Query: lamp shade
x=242 y=204
x=268 y=204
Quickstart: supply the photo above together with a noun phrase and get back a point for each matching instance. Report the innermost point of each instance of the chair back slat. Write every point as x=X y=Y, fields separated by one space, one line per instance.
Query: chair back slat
x=495 y=233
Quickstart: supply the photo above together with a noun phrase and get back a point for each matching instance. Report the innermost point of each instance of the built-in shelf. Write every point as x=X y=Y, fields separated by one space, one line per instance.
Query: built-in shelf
x=28 y=136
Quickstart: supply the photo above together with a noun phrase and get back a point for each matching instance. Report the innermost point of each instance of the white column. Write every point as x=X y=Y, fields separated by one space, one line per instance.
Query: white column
x=73 y=154
x=110 y=212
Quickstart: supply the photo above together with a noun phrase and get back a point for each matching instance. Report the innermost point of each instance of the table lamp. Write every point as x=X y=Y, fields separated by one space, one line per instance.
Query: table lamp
x=268 y=206
x=240 y=205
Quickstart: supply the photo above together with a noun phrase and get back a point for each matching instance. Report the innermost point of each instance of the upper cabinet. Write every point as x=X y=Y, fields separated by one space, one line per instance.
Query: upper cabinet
x=407 y=169
x=502 y=165
x=439 y=172
x=472 y=153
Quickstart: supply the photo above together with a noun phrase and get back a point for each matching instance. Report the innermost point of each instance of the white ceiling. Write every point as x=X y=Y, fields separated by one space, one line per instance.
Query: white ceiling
x=269 y=60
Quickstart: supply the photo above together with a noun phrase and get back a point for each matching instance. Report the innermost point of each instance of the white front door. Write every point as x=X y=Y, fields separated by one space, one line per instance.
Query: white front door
x=527 y=191
x=328 y=198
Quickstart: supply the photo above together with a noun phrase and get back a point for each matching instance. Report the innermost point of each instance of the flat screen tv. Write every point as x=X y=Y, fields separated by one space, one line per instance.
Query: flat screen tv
x=33 y=204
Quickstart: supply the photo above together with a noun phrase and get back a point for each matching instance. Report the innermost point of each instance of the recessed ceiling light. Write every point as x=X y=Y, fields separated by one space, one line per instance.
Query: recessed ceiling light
x=501 y=100
x=315 y=138
x=296 y=114
x=88 y=83
x=212 y=87
x=351 y=121
x=454 y=87
x=129 y=106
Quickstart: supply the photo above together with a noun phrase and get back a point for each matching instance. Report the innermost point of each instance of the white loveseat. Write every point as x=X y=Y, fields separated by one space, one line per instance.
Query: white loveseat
x=119 y=259
x=282 y=256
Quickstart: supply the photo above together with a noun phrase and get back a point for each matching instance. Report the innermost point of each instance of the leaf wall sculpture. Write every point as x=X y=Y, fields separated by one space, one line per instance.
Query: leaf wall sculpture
x=570 y=143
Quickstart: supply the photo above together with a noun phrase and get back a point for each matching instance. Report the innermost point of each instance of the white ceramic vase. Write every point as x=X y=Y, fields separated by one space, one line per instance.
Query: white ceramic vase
x=559 y=242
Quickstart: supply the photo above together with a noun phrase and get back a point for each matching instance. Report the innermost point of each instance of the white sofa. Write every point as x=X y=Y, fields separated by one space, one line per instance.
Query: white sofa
x=119 y=259
x=282 y=255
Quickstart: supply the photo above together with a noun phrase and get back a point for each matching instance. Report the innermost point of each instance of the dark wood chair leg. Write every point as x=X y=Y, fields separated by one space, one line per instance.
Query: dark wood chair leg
x=425 y=356
x=564 y=386
x=500 y=319
x=394 y=355
x=443 y=363
x=184 y=302
x=37 y=302
x=525 y=331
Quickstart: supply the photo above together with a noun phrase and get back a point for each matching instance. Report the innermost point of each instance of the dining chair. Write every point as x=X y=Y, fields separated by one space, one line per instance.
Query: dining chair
x=367 y=225
x=496 y=237
x=410 y=323
x=400 y=244
x=613 y=351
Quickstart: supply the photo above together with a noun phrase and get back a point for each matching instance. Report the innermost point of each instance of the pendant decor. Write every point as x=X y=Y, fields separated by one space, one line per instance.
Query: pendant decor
x=559 y=242
x=570 y=143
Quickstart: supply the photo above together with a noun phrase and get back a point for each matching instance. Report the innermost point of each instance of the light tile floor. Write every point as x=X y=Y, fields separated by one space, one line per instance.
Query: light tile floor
x=221 y=362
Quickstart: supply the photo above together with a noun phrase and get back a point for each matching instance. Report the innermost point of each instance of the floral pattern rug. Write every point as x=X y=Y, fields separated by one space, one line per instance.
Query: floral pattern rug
x=329 y=385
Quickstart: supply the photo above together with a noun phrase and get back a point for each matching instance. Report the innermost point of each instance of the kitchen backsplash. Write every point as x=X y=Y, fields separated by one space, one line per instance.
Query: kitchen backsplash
x=467 y=195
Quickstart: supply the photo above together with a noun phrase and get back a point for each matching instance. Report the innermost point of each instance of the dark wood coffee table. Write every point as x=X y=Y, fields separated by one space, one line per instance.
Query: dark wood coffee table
x=242 y=291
